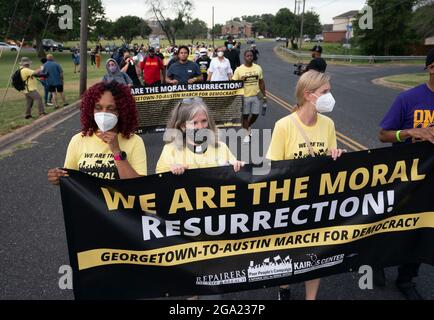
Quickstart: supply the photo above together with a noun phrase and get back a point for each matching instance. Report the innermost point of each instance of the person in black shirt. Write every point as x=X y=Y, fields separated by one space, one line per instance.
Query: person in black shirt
x=255 y=53
x=204 y=62
x=159 y=54
x=232 y=54
x=317 y=63
x=128 y=66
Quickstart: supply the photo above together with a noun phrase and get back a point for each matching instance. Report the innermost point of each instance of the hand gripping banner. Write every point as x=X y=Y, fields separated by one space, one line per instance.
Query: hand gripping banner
x=212 y=230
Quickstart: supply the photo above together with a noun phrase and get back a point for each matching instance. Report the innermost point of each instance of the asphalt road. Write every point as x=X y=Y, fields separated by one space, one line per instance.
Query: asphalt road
x=32 y=234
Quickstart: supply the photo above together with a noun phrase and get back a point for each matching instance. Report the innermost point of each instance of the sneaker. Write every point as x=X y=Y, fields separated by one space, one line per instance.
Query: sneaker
x=408 y=289
x=246 y=139
x=66 y=104
x=42 y=114
x=284 y=294
x=28 y=116
x=378 y=277
x=49 y=103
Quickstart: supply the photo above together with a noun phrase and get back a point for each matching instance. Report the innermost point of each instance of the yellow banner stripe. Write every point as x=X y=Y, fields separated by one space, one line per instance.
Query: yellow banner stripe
x=187 y=94
x=198 y=251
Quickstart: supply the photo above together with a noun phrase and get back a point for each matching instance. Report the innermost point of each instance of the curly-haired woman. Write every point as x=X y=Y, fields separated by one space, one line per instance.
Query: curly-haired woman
x=106 y=147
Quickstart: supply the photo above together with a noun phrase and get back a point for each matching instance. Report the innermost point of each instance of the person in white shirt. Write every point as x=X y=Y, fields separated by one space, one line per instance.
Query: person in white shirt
x=220 y=67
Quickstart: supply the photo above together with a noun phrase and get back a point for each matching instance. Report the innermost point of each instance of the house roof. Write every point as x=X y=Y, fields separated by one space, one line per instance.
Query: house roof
x=349 y=14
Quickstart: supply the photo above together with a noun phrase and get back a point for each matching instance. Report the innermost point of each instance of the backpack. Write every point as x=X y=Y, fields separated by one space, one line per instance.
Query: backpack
x=17 y=80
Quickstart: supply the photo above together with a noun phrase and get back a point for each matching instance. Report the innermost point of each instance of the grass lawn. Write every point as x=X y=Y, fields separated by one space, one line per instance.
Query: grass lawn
x=13 y=110
x=410 y=80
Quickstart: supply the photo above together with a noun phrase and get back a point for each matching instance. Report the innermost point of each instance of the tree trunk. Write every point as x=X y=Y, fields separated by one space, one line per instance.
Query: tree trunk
x=39 y=48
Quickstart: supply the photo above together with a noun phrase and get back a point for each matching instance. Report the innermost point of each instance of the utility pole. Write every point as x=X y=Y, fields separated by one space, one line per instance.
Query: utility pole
x=212 y=33
x=295 y=6
x=83 y=45
x=302 y=23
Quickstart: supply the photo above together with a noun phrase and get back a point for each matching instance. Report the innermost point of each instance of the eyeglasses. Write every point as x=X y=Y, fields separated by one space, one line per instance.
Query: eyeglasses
x=191 y=100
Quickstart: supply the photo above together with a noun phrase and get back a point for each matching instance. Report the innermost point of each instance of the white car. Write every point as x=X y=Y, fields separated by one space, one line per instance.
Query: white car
x=307 y=39
x=8 y=47
x=278 y=39
x=261 y=37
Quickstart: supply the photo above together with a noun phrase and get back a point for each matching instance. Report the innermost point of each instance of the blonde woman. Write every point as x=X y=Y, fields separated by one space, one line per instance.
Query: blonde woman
x=306 y=132
x=192 y=141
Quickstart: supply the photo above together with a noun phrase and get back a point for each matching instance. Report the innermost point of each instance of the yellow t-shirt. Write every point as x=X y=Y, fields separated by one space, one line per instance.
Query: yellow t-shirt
x=287 y=142
x=91 y=155
x=212 y=157
x=30 y=81
x=251 y=78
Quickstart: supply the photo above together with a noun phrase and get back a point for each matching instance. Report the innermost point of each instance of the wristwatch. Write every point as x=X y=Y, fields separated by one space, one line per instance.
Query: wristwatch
x=120 y=156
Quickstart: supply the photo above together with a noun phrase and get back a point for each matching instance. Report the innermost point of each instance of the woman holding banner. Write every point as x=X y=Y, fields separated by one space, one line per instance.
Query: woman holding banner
x=191 y=135
x=106 y=147
x=306 y=132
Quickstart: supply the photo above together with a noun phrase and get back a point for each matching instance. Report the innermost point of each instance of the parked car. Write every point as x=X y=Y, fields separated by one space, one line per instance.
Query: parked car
x=307 y=39
x=8 y=47
x=319 y=38
x=277 y=39
x=51 y=45
x=250 y=41
x=261 y=37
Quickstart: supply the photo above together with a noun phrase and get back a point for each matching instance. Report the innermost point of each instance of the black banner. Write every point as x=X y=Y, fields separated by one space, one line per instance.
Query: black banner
x=212 y=230
x=155 y=103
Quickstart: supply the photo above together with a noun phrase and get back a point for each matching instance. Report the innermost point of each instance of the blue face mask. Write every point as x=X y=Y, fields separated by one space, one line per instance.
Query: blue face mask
x=230 y=46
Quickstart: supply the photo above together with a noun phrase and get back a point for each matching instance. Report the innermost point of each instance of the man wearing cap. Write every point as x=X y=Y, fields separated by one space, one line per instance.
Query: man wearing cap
x=204 y=62
x=409 y=119
x=317 y=63
x=31 y=91
x=153 y=68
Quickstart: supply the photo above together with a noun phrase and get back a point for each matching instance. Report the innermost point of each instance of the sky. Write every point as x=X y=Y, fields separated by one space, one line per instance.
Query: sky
x=225 y=10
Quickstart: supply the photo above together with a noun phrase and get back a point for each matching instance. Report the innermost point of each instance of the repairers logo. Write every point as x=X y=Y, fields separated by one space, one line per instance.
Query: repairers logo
x=237 y=276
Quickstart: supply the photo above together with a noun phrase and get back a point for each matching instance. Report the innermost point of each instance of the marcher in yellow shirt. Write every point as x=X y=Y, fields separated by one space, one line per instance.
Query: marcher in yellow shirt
x=107 y=146
x=30 y=88
x=306 y=132
x=192 y=143
x=253 y=78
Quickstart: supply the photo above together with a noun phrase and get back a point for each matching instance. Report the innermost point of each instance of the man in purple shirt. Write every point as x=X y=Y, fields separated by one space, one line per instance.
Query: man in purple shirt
x=410 y=119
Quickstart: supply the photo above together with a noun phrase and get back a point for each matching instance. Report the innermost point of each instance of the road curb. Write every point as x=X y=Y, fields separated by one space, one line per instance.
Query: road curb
x=21 y=134
x=384 y=83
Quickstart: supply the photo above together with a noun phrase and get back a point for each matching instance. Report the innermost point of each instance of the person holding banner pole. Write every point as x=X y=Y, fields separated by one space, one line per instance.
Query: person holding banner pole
x=306 y=132
x=410 y=119
x=106 y=147
x=191 y=137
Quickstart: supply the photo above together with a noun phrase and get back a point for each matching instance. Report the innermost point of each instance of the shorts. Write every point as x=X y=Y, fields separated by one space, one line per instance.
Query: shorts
x=55 y=88
x=251 y=105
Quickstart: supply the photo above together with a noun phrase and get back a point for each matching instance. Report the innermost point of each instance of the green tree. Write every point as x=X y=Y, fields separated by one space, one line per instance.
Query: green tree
x=35 y=20
x=286 y=24
x=311 y=26
x=129 y=27
x=217 y=30
x=391 y=33
x=103 y=29
x=422 y=21
x=195 y=29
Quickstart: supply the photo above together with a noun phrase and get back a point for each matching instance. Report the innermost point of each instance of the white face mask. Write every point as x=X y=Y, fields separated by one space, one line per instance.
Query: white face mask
x=325 y=103
x=105 y=120
x=220 y=54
